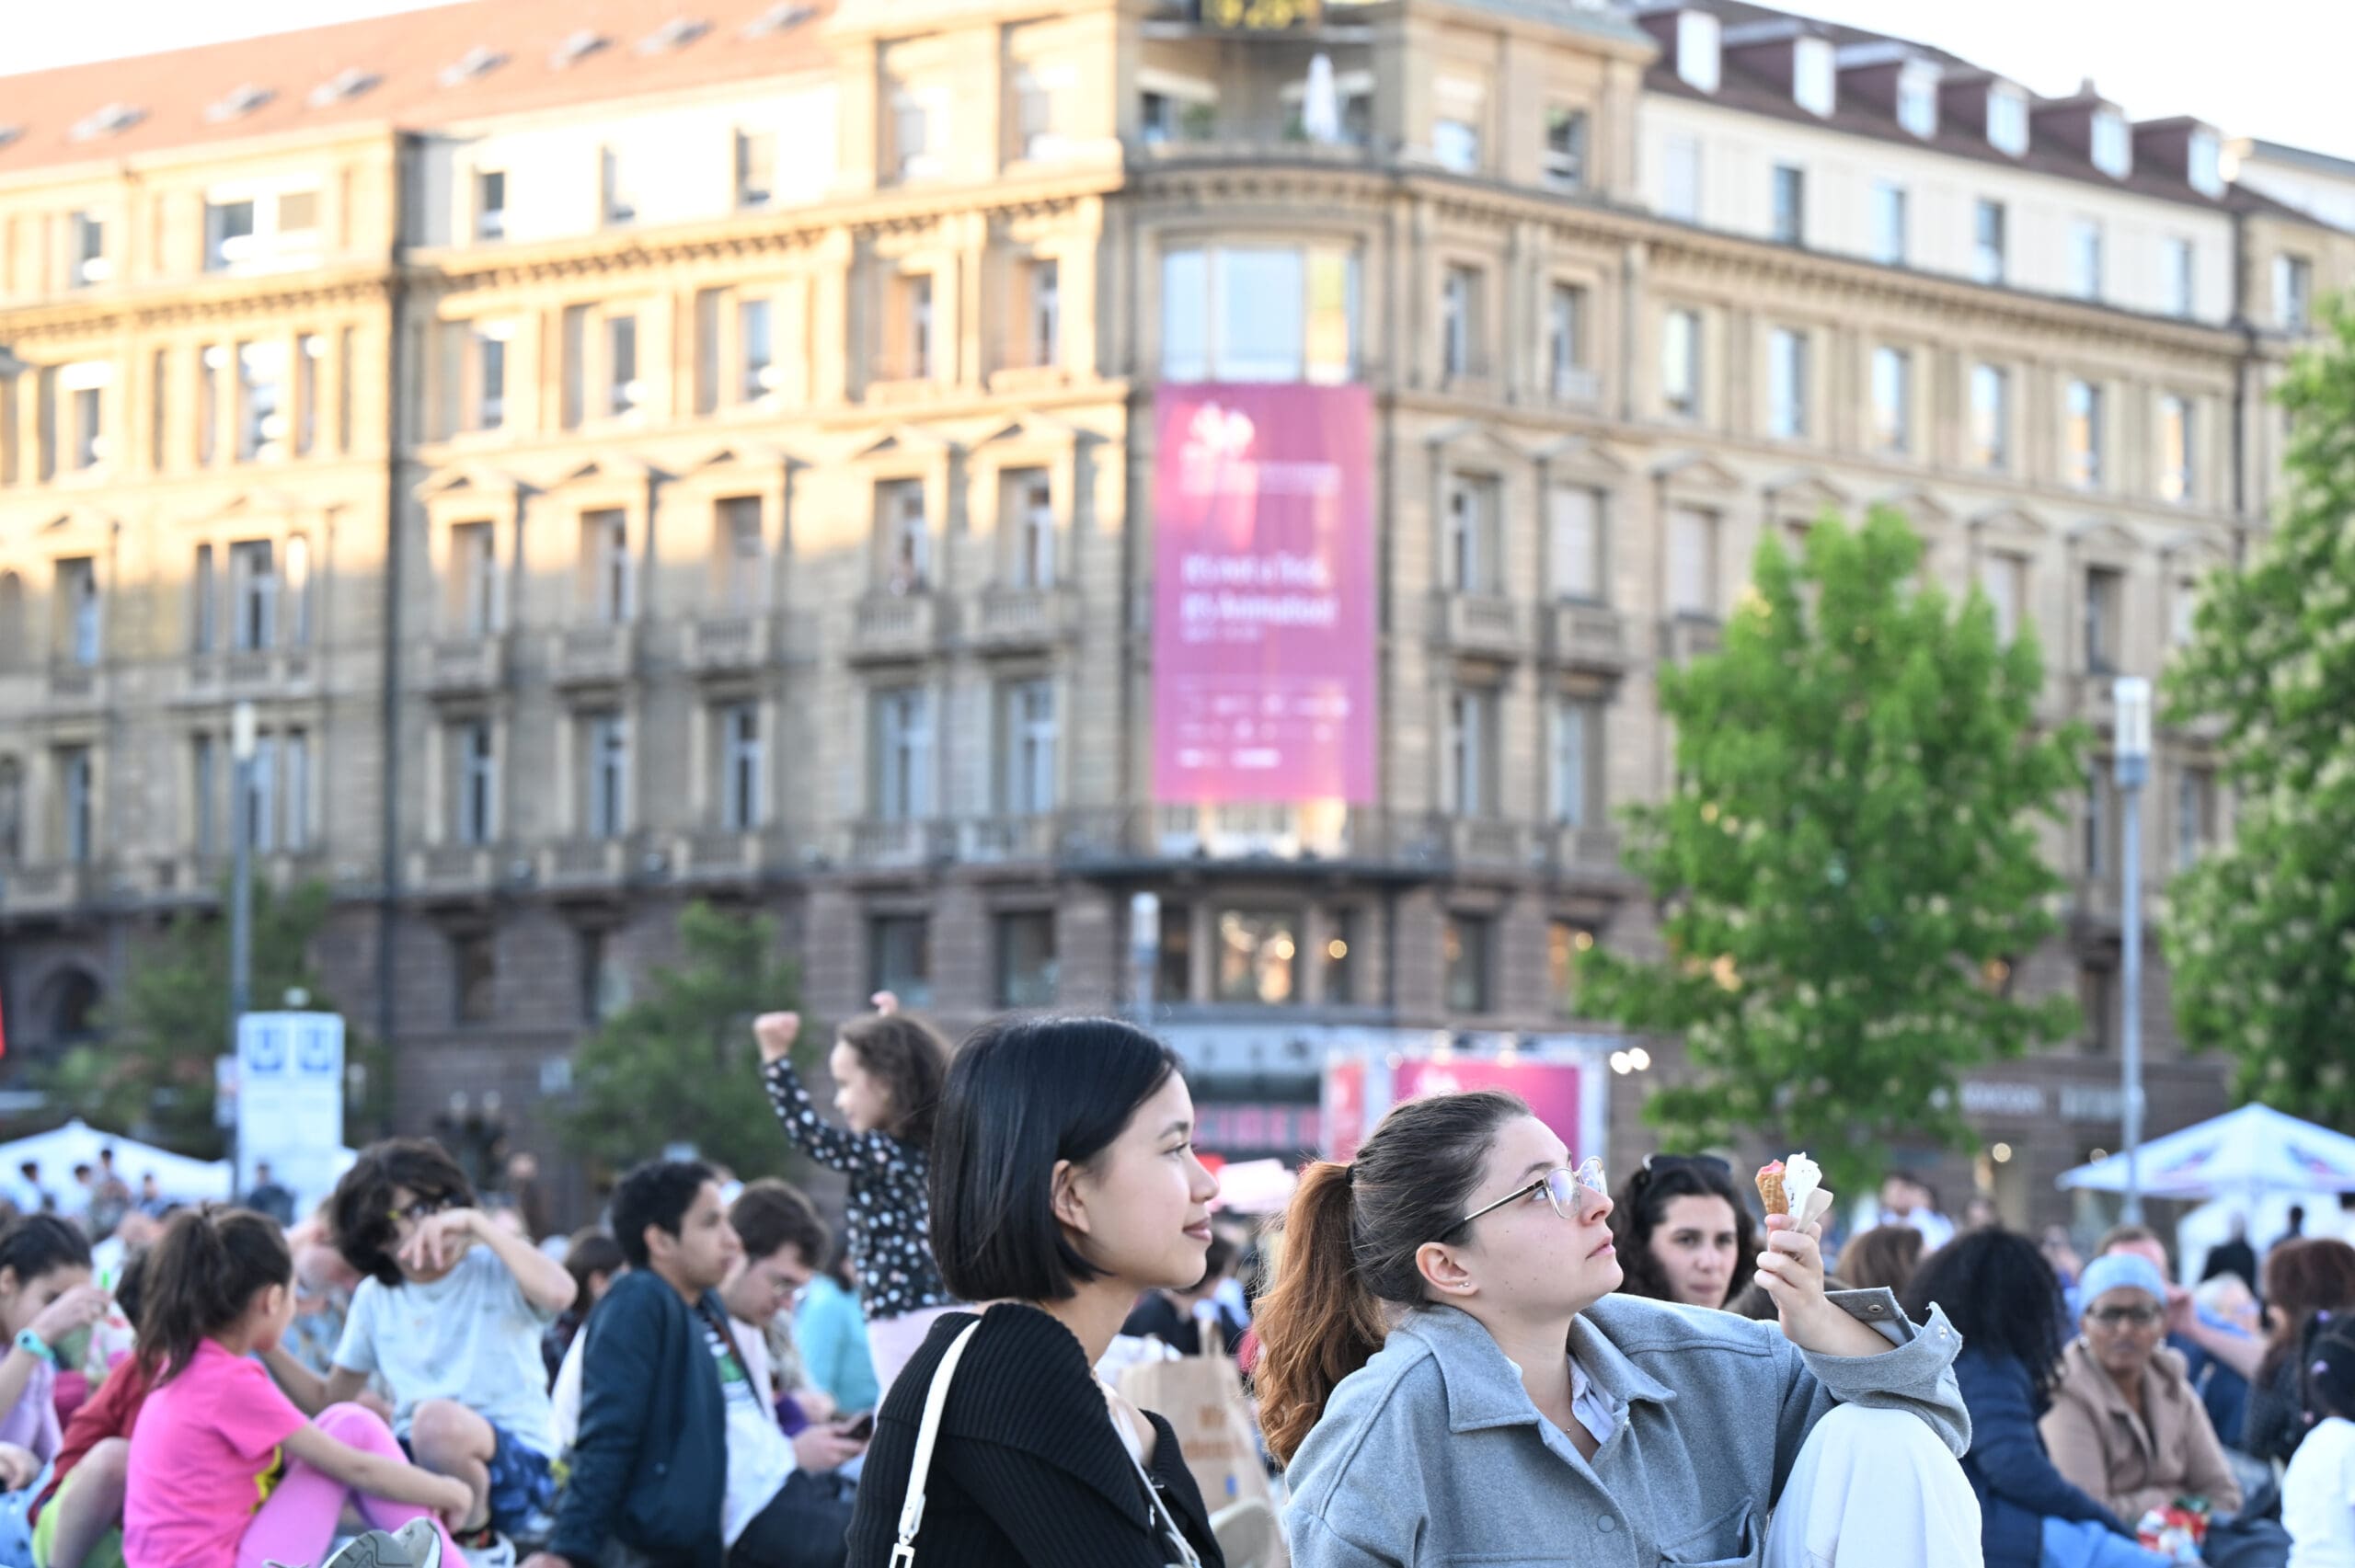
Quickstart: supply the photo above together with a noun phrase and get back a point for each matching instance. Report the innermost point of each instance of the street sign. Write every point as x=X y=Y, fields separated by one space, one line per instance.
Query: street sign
x=290 y=1089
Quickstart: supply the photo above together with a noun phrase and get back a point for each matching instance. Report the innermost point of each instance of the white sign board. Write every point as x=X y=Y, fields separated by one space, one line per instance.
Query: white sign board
x=289 y=1096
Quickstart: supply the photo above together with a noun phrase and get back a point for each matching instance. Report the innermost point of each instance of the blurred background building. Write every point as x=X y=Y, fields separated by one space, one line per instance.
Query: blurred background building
x=635 y=453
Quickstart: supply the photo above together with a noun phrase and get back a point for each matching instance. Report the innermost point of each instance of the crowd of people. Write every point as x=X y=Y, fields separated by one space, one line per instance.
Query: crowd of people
x=1459 y=1342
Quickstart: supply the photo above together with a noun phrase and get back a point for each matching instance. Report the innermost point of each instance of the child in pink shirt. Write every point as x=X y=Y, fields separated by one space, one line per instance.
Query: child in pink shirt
x=225 y=1471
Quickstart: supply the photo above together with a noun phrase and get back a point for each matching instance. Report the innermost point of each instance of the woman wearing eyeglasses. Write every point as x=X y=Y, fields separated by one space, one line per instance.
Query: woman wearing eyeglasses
x=1450 y=1379
x=2126 y=1425
x=1683 y=1232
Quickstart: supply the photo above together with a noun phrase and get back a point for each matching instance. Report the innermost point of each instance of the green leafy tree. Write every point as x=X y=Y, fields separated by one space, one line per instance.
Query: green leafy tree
x=1848 y=863
x=151 y=1075
x=2259 y=935
x=679 y=1065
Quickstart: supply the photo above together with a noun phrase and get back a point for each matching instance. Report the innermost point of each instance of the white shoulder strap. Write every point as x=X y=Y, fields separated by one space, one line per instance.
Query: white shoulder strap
x=936 y=1399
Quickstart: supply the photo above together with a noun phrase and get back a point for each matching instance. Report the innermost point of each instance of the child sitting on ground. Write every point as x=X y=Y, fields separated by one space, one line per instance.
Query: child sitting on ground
x=77 y=1518
x=47 y=1308
x=2318 y=1491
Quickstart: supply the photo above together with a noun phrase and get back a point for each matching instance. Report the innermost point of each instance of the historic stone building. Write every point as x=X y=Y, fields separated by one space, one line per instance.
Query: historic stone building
x=709 y=454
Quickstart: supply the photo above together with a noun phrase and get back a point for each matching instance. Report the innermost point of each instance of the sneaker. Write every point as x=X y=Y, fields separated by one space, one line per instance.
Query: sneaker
x=417 y=1544
x=497 y=1553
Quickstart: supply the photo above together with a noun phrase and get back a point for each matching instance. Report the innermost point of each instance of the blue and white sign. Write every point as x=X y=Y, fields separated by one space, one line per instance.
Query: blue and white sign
x=289 y=1096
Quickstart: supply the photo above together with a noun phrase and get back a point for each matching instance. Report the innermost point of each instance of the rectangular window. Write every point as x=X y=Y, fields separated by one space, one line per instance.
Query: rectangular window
x=2004 y=579
x=473 y=961
x=1679 y=363
x=755 y=167
x=345 y=358
x=159 y=405
x=744 y=560
x=2095 y=823
x=1790 y=205
x=1565 y=338
x=205 y=787
x=899 y=957
x=911 y=137
x=1258 y=957
x=2175 y=449
x=1814 y=78
x=2195 y=791
x=916 y=326
x=619 y=187
x=2183 y=613
x=2105 y=612
x=1455 y=144
x=77 y=592
x=1470 y=751
x=1460 y=322
x=604 y=557
x=211 y=361
x=1465 y=959
x=758 y=352
x=904 y=538
x=1030 y=746
x=1030 y=511
x=744 y=766
x=1699 y=54
x=624 y=395
x=309 y=350
x=88 y=433
x=490 y=203
x=2097 y=1000
x=297 y=838
x=204 y=604
x=1693 y=562
x=1681 y=178
x=295 y=592
x=605 y=978
x=2083 y=435
x=1987 y=256
x=2084 y=259
x=1892 y=400
x=2113 y=149
x=1566 y=143
x=2179 y=274
x=1574 y=542
x=1917 y=99
x=1034 y=111
x=2293 y=292
x=1474 y=533
x=903 y=770
x=1339 y=974
x=2007 y=120
x=1046 y=314
x=1260 y=313
x=261 y=390
x=1990 y=417
x=1173 y=973
x=253 y=596
x=473 y=567
x=605 y=773
x=1026 y=959
x=1565 y=941
x=87 y=257
x=1787 y=384
x=258 y=797
x=228 y=233
x=477 y=799
x=1889 y=223
x=1574 y=744
x=490 y=380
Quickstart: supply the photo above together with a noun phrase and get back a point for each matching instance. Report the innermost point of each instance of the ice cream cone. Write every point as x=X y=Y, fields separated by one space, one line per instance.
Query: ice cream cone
x=1770 y=1187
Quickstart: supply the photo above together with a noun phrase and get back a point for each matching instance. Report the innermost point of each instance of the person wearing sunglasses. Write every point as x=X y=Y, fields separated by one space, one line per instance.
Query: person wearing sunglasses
x=1683 y=1232
x=2125 y=1424
x=1448 y=1376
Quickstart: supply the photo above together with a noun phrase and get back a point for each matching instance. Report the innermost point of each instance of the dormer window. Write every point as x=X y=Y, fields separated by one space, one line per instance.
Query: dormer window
x=343 y=85
x=476 y=62
x=1697 y=40
x=2113 y=149
x=238 y=104
x=576 y=48
x=676 y=33
x=9 y=133
x=2204 y=163
x=1814 y=84
x=1917 y=98
x=2007 y=120
x=114 y=117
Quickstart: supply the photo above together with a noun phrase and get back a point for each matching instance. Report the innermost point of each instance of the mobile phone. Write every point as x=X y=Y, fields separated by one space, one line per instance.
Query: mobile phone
x=859 y=1428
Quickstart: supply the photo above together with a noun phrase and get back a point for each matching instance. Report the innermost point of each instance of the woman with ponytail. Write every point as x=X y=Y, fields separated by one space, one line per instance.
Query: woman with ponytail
x=225 y=1472
x=1450 y=1379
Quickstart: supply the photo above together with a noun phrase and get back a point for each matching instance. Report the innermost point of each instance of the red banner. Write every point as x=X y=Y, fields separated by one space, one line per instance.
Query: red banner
x=1263 y=666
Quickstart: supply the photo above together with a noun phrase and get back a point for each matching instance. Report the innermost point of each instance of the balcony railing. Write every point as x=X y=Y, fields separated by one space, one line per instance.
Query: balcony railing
x=720 y=855
x=578 y=864
x=1000 y=840
x=1686 y=637
x=1586 y=636
x=896 y=625
x=1479 y=622
x=251 y=672
x=52 y=888
x=463 y=666
x=72 y=683
x=900 y=844
x=1590 y=851
x=594 y=656
x=442 y=870
x=723 y=645
x=1010 y=618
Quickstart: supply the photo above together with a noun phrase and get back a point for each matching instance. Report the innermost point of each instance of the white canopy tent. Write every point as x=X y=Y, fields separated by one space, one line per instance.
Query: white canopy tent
x=77 y=1143
x=2245 y=1154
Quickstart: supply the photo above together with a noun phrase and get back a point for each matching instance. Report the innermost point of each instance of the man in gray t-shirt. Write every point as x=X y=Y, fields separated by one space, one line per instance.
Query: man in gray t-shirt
x=450 y=1314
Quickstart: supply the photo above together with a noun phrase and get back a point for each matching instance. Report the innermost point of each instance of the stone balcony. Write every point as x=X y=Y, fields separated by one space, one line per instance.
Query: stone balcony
x=584 y=865
x=998 y=840
x=1007 y=620
x=242 y=673
x=1486 y=623
x=77 y=686
x=594 y=655
x=1586 y=636
x=1683 y=638
x=900 y=845
x=1585 y=850
x=887 y=626
x=463 y=666
x=727 y=645
x=54 y=888
x=720 y=855
x=453 y=871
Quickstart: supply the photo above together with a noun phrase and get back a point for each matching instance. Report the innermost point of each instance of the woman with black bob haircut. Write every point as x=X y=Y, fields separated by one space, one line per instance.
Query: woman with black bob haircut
x=2003 y=1297
x=1063 y=1184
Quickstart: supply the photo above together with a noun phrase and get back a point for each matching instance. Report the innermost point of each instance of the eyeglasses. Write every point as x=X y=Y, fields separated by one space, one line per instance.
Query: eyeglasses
x=2113 y=1317
x=1571 y=1192
x=420 y=1210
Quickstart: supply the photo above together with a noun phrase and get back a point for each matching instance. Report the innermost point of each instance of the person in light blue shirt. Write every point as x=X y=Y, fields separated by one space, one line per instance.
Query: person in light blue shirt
x=831 y=1333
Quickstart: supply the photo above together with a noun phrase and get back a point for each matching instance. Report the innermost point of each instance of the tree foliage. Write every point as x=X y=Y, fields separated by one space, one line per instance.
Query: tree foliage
x=679 y=1065
x=1848 y=865
x=2260 y=933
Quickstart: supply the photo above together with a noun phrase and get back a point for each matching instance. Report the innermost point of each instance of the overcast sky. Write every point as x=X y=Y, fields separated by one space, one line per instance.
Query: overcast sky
x=2270 y=68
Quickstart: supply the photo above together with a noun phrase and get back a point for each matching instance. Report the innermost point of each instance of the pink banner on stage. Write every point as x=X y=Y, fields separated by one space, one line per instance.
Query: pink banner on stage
x=1263 y=594
x=1549 y=1088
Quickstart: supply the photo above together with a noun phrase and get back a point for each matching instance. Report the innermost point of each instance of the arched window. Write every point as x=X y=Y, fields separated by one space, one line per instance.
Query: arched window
x=67 y=1007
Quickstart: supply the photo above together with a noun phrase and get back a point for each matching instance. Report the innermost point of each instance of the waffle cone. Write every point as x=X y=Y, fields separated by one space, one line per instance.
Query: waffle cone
x=1770 y=1188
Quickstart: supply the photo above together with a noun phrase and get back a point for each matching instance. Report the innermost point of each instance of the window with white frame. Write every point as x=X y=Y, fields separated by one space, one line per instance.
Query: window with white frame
x=83 y=387
x=1030 y=745
x=1892 y=400
x=1787 y=384
x=253 y=595
x=77 y=590
x=1455 y=144
x=617 y=187
x=294 y=813
x=1917 y=98
x=204 y=795
x=2195 y=795
x=474 y=578
x=1693 y=562
x=2183 y=611
x=2084 y=258
x=913 y=299
x=1680 y=194
x=78 y=800
x=624 y=395
x=258 y=797
x=1789 y=216
x=1475 y=530
x=744 y=560
x=756 y=349
x=1260 y=313
x=474 y=800
x=490 y=203
x=2178 y=265
x=2105 y=612
x=903 y=765
x=1574 y=542
x=2113 y=149
x=2292 y=291
x=1990 y=417
x=605 y=774
x=1471 y=782
x=490 y=373
x=2082 y=435
x=2002 y=578
x=2204 y=162
x=261 y=392
x=604 y=557
x=295 y=592
x=1565 y=338
x=913 y=135
x=1987 y=261
x=1459 y=315
x=1044 y=318
x=1030 y=516
x=755 y=167
x=87 y=257
x=743 y=764
x=1566 y=148
x=204 y=604
x=1814 y=82
x=2175 y=443
x=1889 y=223
x=1574 y=748
x=1679 y=363
x=1040 y=89
x=309 y=350
x=1698 y=38
x=228 y=233
x=904 y=539
x=2008 y=119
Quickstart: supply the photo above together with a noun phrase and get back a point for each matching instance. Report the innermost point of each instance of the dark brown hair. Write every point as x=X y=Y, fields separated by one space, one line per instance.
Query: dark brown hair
x=910 y=1061
x=1350 y=1235
x=2314 y=1274
x=592 y=1251
x=1883 y=1255
x=1641 y=1206
x=201 y=1279
x=769 y=1216
x=362 y=1209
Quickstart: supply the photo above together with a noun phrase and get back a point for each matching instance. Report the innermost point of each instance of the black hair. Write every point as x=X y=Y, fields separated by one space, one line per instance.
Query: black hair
x=361 y=1212
x=840 y=1268
x=201 y=1279
x=36 y=1243
x=1640 y=1206
x=131 y=1286
x=1350 y=1236
x=658 y=1193
x=769 y=1216
x=2329 y=1363
x=593 y=1252
x=1023 y=1093
x=2000 y=1295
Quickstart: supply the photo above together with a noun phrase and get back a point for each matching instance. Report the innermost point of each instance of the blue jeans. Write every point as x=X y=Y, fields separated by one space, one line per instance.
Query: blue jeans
x=2085 y=1543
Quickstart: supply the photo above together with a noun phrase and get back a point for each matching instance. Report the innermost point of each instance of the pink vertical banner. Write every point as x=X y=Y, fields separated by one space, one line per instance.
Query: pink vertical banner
x=1263 y=669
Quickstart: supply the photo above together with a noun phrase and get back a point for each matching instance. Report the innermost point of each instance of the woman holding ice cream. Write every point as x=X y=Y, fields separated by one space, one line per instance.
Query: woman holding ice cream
x=1450 y=1379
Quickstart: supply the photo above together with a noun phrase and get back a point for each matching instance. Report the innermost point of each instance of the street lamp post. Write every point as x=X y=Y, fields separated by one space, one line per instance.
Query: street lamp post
x=241 y=895
x=2131 y=698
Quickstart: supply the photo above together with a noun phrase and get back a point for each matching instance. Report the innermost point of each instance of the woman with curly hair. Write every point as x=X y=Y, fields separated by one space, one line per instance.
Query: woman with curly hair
x=2304 y=1279
x=1682 y=1232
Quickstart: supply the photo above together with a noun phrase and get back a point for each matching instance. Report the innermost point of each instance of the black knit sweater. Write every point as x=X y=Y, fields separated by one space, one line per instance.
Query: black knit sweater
x=1029 y=1472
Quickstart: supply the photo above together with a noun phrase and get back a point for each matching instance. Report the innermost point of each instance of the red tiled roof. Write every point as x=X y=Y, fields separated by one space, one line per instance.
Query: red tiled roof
x=181 y=97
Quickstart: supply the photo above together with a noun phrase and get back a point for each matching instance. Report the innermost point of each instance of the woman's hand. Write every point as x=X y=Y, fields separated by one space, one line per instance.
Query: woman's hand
x=77 y=1308
x=1791 y=1270
x=886 y=1003
x=776 y=1031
